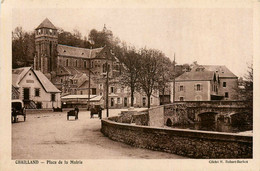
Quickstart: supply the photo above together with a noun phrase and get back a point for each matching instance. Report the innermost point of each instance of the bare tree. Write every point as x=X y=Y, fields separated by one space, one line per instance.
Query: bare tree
x=131 y=70
x=149 y=71
x=166 y=72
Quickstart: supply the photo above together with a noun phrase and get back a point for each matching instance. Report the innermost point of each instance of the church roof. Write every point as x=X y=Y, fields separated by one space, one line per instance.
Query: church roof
x=70 y=51
x=46 y=24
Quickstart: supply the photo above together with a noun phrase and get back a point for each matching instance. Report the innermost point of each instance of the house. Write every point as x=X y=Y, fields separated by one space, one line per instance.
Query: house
x=35 y=89
x=206 y=82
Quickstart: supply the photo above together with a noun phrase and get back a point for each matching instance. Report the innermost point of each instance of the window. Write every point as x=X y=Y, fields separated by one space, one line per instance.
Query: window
x=226 y=94
x=81 y=92
x=94 y=92
x=198 y=87
x=76 y=63
x=118 y=100
x=67 y=62
x=100 y=86
x=53 y=97
x=85 y=64
x=111 y=89
x=61 y=80
x=181 y=88
x=37 y=92
x=181 y=99
x=224 y=84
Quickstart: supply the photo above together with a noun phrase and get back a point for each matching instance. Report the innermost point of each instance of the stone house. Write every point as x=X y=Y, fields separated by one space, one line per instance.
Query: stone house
x=35 y=89
x=206 y=82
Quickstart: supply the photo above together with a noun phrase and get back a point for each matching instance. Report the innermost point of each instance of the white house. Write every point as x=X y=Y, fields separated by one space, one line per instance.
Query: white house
x=35 y=89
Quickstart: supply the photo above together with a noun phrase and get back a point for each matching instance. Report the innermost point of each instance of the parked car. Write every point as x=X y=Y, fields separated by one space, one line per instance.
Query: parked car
x=18 y=109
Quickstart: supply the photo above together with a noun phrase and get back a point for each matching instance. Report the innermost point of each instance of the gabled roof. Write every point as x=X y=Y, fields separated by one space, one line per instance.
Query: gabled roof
x=196 y=76
x=19 y=73
x=70 y=51
x=46 y=83
x=46 y=24
x=221 y=70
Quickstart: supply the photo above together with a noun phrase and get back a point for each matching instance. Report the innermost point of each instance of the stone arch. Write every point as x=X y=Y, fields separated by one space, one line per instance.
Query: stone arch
x=169 y=122
x=241 y=118
x=207 y=117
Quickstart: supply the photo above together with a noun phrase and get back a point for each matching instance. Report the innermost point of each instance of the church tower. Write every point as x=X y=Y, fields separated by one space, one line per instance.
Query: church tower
x=46 y=40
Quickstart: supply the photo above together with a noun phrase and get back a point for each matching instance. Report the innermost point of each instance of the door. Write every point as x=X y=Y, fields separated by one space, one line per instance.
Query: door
x=26 y=94
x=125 y=101
x=112 y=102
x=144 y=101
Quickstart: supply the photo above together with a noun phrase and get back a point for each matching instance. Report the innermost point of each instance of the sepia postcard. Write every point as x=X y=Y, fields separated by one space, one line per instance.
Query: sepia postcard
x=129 y=85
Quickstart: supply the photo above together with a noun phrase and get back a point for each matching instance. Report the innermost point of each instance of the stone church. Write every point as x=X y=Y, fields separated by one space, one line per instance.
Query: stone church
x=80 y=71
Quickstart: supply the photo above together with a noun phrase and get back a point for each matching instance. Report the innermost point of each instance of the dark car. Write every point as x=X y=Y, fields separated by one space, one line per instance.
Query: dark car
x=18 y=109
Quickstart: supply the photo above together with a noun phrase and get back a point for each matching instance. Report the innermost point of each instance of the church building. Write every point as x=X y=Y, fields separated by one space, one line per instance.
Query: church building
x=80 y=71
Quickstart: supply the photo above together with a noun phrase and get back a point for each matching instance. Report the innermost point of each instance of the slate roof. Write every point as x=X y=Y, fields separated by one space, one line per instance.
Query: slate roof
x=19 y=73
x=47 y=84
x=70 y=51
x=196 y=76
x=222 y=70
x=46 y=24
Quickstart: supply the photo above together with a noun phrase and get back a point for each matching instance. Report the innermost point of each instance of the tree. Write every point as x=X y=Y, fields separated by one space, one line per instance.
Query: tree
x=100 y=38
x=22 y=48
x=149 y=71
x=132 y=63
x=165 y=71
x=245 y=88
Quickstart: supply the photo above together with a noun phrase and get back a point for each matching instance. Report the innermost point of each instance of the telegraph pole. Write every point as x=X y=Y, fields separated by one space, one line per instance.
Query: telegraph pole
x=89 y=86
x=107 y=86
x=173 y=90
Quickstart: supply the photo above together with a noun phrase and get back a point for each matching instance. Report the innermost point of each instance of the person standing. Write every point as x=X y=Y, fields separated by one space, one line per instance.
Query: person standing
x=77 y=112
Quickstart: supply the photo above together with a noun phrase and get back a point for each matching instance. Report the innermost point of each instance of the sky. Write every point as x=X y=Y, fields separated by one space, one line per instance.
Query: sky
x=210 y=36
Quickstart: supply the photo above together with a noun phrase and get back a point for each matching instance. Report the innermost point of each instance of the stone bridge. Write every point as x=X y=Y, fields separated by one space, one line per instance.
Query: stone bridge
x=196 y=111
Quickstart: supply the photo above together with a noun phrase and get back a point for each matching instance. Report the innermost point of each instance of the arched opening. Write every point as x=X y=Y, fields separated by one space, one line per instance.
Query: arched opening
x=169 y=122
x=207 y=117
x=242 y=118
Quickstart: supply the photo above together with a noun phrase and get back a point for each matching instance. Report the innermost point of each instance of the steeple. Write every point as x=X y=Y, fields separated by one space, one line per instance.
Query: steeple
x=104 y=28
x=46 y=24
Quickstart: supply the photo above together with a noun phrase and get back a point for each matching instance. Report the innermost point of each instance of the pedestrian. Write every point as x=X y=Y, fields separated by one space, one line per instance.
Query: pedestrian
x=77 y=111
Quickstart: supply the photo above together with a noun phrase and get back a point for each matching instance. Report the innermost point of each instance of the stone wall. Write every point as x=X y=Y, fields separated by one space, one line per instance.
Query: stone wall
x=190 y=143
x=156 y=116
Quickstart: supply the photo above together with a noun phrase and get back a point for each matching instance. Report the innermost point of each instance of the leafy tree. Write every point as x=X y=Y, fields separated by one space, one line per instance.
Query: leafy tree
x=22 y=48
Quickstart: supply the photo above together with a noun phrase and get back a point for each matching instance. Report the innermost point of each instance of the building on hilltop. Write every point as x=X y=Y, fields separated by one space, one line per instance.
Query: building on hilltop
x=206 y=82
x=73 y=69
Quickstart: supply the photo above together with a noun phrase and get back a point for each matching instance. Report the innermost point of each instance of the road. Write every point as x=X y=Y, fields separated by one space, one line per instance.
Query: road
x=49 y=135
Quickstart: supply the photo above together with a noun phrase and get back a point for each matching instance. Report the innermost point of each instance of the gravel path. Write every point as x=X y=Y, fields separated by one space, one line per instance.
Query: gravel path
x=50 y=136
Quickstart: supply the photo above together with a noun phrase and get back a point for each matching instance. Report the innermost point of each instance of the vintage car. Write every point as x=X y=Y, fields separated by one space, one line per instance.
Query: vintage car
x=18 y=109
x=96 y=109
